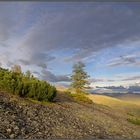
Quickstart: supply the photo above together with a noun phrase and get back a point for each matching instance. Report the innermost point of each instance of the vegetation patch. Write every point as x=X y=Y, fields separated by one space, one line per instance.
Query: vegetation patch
x=134 y=120
x=40 y=102
x=130 y=114
x=81 y=97
x=25 y=85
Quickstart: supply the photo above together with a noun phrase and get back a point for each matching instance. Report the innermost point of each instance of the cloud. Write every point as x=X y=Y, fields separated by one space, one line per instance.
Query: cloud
x=83 y=30
x=24 y=62
x=10 y=19
x=36 y=72
x=125 y=60
x=10 y=64
x=115 y=87
x=13 y=27
x=38 y=59
x=37 y=33
x=96 y=80
x=132 y=78
x=49 y=76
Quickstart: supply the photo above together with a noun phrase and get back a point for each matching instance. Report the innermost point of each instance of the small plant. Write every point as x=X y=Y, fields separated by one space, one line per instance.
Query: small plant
x=130 y=114
x=134 y=120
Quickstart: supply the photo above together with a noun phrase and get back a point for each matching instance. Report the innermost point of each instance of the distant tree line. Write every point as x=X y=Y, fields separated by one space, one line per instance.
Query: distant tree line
x=25 y=85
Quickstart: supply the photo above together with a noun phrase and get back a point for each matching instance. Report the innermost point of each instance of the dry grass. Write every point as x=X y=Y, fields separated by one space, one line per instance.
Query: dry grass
x=109 y=101
x=131 y=98
x=121 y=105
x=81 y=97
x=106 y=100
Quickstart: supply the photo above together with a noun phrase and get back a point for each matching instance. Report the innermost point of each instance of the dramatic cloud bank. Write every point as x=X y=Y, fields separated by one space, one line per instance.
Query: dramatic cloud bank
x=47 y=38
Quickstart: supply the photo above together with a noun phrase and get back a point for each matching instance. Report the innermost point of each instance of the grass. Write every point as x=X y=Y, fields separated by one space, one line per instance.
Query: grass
x=131 y=98
x=41 y=102
x=1 y=110
x=112 y=101
x=124 y=106
x=106 y=100
x=134 y=120
x=80 y=97
x=130 y=114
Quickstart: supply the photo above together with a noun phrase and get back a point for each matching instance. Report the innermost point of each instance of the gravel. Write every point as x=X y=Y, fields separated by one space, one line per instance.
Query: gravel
x=23 y=119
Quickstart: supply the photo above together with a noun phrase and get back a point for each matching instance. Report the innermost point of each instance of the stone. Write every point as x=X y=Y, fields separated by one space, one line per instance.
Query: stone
x=12 y=136
x=9 y=130
x=16 y=128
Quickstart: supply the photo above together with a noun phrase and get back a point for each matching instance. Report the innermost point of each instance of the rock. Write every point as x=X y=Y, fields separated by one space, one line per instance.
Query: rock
x=12 y=136
x=16 y=128
x=39 y=133
x=9 y=130
x=60 y=119
x=64 y=120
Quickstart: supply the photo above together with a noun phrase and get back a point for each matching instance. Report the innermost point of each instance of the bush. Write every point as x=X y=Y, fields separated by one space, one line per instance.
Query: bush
x=26 y=86
x=80 y=97
x=134 y=120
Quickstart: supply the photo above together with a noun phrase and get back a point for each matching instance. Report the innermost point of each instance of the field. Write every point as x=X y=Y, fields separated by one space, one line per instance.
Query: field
x=125 y=103
x=131 y=98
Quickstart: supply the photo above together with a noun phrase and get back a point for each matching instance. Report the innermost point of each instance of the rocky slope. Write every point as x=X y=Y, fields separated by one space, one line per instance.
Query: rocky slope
x=66 y=118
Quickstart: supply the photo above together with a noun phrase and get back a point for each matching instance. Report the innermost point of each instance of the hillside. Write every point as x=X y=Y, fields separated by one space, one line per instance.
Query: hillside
x=116 y=101
x=121 y=103
x=132 y=98
x=65 y=118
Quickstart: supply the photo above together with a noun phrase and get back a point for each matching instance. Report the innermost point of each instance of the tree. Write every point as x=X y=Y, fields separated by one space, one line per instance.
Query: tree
x=79 y=77
x=16 y=69
x=28 y=74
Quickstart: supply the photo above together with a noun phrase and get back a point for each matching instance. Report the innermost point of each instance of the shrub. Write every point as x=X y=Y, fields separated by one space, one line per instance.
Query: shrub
x=80 y=97
x=134 y=120
x=26 y=86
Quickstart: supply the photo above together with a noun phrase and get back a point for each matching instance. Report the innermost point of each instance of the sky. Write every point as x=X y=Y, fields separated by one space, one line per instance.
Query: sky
x=48 y=38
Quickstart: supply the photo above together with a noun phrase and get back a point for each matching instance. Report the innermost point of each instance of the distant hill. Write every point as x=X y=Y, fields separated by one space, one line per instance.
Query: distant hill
x=61 y=88
x=116 y=89
x=132 y=98
x=122 y=102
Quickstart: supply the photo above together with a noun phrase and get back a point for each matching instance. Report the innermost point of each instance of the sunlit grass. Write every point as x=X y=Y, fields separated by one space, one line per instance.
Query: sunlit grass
x=81 y=97
x=41 y=102
x=110 y=101
x=121 y=105
x=131 y=98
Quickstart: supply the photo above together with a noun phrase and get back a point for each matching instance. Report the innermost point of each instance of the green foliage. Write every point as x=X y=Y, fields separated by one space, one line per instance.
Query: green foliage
x=79 y=77
x=134 y=120
x=28 y=74
x=16 y=69
x=130 y=114
x=25 y=85
x=80 y=97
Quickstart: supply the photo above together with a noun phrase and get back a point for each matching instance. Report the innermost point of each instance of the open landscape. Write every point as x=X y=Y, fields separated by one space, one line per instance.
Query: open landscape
x=132 y=98
x=69 y=70
x=25 y=118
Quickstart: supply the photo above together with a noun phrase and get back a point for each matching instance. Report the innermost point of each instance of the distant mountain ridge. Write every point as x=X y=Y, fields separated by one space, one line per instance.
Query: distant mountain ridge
x=113 y=89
